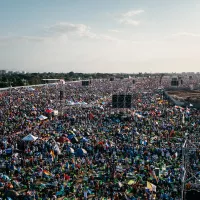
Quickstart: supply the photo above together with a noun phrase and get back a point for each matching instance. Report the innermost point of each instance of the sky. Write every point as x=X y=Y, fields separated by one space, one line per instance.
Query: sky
x=90 y=36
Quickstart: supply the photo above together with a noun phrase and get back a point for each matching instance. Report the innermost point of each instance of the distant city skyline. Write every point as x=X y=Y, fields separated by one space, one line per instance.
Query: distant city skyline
x=107 y=36
x=4 y=72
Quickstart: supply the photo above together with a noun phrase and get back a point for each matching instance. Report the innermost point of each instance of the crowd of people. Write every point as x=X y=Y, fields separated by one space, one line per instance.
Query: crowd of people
x=79 y=147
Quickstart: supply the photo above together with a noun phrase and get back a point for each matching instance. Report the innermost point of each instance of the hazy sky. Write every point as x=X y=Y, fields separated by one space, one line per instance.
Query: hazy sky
x=100 y=35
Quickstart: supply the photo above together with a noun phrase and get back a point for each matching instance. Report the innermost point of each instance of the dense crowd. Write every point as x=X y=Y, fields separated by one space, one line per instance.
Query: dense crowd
x=89 y=150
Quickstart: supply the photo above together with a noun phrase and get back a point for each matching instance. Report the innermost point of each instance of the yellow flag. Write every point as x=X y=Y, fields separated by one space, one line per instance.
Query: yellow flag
x=151 y=187
x=52 y=153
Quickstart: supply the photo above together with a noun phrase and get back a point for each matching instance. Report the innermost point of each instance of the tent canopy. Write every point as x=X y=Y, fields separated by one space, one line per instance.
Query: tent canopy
x=42 y=117
x=30 y=89
x=30 y=137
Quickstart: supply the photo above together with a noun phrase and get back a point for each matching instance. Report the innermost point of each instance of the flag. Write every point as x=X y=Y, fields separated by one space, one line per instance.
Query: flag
x=151 y=187
x=52 y=154
x=152 y=173
x=46 y=172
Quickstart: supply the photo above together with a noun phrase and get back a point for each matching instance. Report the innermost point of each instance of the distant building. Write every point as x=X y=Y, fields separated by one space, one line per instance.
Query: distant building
x=14 y=72
x=3 y=72
x=23 y=72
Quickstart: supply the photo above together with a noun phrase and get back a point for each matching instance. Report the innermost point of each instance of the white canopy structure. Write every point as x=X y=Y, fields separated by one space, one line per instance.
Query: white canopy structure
x=30 y=137
x=42 y=117
x=72 y=103
x=30 y=89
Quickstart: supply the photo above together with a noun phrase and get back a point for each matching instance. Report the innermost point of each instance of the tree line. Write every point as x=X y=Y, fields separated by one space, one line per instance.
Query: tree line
x=7 y=80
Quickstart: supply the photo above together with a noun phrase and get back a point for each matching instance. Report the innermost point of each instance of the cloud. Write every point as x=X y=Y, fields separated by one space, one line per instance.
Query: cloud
x=109 y=38
x=62 y=31
x=114 y=31
x=77 y=30
x=127 y=18
x=129 y=22
x=186 y=34
x=4 y=40
x=132 y=13
x=68 y=28
x=31 y=38
x=25 y=38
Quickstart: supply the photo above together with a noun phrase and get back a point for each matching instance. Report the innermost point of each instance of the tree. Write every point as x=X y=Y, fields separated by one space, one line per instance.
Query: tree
x=71 y=74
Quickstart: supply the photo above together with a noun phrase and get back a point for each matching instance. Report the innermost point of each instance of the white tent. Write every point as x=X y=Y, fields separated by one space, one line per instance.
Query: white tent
x=30 y=89
x=30 y=137
x=42 y=117
x=70 y=103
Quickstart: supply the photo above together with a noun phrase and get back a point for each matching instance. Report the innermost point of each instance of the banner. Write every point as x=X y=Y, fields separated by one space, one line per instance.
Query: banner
x=151 y=187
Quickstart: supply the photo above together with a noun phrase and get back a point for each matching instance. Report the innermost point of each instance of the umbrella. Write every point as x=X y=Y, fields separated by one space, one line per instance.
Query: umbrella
x=42 y=117
x=70 y=136
x=49 y=110
x=63 y=140
x=46 y=172
x=131 y=182
x=126 y=128
x=30 y=137
x=30 y=89
x=100 y=143
x=71 y=150
x=81 y=152
x=120 y=184
x=84 y=139
x=84 y=151
x=6 y=178
x=74 y=140
x=87 y=134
